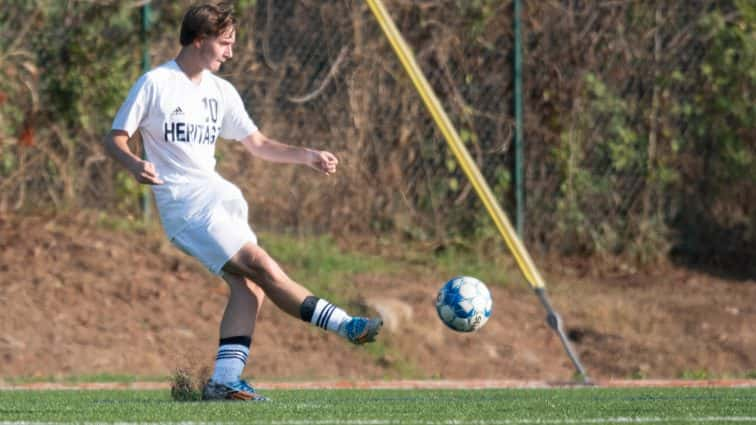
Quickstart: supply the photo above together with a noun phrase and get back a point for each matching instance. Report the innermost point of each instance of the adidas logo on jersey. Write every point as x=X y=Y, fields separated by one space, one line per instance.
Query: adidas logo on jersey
x=177 y=111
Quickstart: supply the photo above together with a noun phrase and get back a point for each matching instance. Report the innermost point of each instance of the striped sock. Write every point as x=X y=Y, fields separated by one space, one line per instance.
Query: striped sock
x=323 y=314
x=231 y=359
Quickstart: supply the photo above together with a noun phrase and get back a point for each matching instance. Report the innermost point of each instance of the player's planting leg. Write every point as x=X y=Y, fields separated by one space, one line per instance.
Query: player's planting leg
x=236 y=330
x=234 y=391
x=291 y=297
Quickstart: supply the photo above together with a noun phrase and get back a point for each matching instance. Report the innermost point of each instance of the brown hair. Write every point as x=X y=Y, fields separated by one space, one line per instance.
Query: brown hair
x=206 y=20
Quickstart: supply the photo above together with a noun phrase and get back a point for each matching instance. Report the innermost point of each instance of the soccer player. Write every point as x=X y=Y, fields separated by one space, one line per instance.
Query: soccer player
x=181 y=108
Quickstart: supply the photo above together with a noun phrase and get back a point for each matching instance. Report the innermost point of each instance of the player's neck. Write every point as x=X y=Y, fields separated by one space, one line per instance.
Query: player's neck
x=189 y=65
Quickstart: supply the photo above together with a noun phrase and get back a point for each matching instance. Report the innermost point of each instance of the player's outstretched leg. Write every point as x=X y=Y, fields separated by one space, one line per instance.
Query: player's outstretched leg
x=357 y=330
x=291 y=297
x=360 y=330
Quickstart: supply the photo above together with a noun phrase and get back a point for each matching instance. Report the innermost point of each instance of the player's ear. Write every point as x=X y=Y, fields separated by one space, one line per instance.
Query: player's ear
x=197 y=43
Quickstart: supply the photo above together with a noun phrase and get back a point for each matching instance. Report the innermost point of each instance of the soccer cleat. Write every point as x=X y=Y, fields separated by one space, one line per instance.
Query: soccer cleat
x=238 y=391
x=360 y=330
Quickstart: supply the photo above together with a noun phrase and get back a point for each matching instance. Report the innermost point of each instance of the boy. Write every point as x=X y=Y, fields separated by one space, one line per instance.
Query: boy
x=181 y=108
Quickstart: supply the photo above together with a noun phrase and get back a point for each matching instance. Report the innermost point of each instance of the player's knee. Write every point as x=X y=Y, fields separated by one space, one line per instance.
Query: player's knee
x=255 y=289
x=273 y=275
x=264 y=269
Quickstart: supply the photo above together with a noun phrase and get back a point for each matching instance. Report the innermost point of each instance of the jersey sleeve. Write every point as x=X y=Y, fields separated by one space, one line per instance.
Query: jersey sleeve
x=236 y=121
x=134 y=108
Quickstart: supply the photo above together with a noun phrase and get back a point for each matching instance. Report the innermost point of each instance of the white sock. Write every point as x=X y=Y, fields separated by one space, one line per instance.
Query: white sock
x=230 y=362
x=328 y=316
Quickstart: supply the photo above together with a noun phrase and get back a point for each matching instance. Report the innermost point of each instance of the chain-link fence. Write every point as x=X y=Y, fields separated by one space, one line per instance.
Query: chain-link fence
x=641 y=126
x=639 y=117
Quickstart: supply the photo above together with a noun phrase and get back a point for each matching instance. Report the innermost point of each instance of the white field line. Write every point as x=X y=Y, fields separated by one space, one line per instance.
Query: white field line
x=405 y=384
x=610 y=420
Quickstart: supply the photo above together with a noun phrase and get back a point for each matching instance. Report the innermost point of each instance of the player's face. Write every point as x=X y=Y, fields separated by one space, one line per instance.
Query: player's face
x=216 y=50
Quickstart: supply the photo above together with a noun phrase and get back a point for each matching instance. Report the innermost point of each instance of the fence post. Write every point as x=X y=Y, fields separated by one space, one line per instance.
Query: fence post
x=146 y=200
x=518 y=141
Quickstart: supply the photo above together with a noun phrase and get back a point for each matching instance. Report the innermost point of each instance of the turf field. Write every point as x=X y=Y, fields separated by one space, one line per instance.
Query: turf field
x=376 y=407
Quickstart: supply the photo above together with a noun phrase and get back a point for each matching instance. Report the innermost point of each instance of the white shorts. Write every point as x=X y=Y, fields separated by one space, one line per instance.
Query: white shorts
x=215 y=237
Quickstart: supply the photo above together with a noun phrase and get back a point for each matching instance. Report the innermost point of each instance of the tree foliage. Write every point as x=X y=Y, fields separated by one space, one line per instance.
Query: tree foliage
x=639 y=116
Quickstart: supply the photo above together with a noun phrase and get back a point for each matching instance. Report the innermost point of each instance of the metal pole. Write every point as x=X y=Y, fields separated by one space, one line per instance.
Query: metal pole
x=518 y=141
x=555 y=322
x=146 y=200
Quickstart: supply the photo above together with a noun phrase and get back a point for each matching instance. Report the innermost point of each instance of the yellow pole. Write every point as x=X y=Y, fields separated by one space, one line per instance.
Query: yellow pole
x=455 y=143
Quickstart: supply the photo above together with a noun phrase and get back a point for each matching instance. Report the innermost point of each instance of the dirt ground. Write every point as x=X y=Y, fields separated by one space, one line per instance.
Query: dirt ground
x=80 y=298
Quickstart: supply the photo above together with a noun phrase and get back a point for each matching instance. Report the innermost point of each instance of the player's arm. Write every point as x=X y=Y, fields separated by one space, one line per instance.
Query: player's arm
x=268 y=149
x=117 y=146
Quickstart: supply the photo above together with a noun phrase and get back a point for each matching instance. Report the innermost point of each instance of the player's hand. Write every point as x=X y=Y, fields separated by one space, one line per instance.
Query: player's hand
x=144 y=172
x=324 y=162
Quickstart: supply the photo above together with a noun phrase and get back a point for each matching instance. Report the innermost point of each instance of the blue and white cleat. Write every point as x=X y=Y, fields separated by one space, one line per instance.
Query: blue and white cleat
x=360 y=330
x=237 y=391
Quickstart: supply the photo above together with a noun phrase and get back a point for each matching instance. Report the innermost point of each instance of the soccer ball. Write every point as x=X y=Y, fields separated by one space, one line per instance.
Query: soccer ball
x=464 y=304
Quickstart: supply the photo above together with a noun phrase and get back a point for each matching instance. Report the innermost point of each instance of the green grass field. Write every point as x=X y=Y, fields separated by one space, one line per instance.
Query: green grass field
x=376 y=407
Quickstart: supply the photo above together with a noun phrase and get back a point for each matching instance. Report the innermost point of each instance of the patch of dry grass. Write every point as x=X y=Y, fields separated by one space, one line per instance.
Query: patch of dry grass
x=187 y=383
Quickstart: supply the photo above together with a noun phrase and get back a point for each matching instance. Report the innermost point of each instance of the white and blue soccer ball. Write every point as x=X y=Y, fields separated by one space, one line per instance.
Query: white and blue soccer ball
x=464 y=304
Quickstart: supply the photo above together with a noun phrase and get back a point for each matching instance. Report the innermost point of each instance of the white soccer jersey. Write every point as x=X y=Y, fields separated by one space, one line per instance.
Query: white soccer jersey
x=180 y=122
